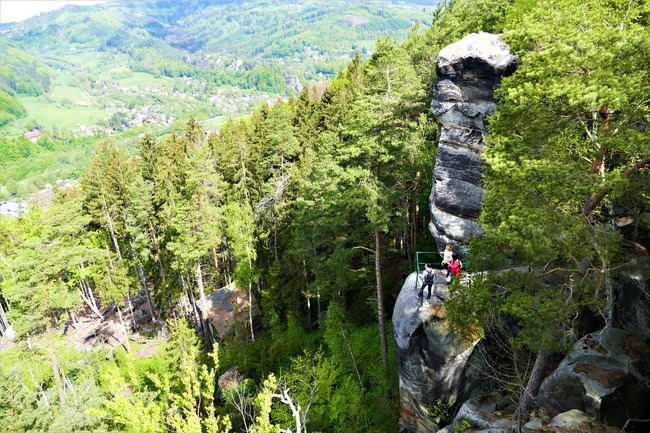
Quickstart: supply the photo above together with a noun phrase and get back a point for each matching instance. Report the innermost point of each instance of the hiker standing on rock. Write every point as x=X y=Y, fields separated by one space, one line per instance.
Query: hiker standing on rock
x=446 y=257
x=454 y=265
x=427 y=278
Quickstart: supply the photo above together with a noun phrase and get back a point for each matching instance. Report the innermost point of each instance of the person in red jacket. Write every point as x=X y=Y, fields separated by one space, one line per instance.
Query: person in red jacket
x=454 y=265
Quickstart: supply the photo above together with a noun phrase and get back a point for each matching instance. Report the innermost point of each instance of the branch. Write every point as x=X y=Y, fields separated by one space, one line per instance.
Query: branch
x=635 y=245
x=598 y=198
x=364 y=248
x=566 y=270
x=285 y=398
x=636 y=167
x=633 y=420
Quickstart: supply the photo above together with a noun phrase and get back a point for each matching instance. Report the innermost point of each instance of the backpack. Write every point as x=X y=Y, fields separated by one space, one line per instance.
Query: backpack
x=428 y=277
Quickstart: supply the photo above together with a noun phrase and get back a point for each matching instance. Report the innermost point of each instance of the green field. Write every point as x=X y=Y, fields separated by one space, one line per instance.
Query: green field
x=67 y=95
x=142 y=79
x=88 y=59
x=48 y=114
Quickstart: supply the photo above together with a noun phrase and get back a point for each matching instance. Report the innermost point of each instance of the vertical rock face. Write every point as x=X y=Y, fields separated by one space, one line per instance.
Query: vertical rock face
x=633 y=299
x=468 y=72
x=431 y=357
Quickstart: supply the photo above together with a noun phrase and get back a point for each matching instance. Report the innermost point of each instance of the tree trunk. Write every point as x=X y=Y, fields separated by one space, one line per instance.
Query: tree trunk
x=4 y=323
x=145 y=286
x=156 y=245
x=304 y=275
x=89 y=297
x=192 y=303
x=380 y=300
x=56 y=372
x=93 y=308
x=111 y=230
x=318 y=306
x=250 y=308
x=143 y=280
x=522 y=414
x=127 y=345
x=72 y=317
x=204 y=307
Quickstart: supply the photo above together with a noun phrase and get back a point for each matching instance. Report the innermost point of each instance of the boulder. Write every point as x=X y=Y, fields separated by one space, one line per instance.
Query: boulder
x=606 y=375
x=468 y=72
x=480 y=415
x=230 y=379
x=571 y=420
x=225 y=307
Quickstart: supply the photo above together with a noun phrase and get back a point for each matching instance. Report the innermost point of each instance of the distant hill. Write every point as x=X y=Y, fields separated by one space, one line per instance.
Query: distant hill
x=170 y=37
x=127 y=63
x=22 y=73
x=82 y=73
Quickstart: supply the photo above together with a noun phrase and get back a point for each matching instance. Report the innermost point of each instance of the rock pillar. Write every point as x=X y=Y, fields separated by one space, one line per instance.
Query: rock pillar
x=468 y=72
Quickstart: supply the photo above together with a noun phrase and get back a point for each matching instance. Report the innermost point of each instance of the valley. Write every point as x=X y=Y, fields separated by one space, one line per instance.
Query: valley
x=123 y=68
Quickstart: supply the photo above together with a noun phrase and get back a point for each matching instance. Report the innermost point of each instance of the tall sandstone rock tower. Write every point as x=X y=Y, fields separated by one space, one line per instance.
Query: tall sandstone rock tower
x=468 y=72
x=431 y=356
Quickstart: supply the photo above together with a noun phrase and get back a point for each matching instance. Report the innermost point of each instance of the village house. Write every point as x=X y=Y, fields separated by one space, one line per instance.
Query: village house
x=33 y=136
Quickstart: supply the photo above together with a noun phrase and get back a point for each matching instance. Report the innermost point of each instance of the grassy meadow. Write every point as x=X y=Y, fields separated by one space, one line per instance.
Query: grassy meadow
x=64 y=117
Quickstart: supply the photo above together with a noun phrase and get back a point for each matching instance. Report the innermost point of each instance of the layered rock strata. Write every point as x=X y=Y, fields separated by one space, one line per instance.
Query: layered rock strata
x=468 y=72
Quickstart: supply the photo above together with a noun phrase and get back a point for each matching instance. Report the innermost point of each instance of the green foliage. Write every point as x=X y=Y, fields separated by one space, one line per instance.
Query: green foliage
x=263 y=402
x=563 y=139
x=22 y=73
x=35 y=402
x=440 y=411
x=45 y=164
x=357 y=376
x=176 y=390
x=10 y=109
x=172 y=66
x=240 y=229
x=45 y=270
x=293 y=203
x=16 y=150
x=266 y=79
x=463 y=426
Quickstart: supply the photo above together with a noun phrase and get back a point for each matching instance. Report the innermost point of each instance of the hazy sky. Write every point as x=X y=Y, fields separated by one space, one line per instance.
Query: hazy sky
x=18 y=10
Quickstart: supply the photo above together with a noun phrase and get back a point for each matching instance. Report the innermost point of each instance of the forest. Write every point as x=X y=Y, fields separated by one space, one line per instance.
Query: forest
x=314 y=208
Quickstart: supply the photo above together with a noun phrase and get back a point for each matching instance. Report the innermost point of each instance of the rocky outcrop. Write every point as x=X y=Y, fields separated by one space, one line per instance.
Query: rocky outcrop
x=633 y=298
x=607 y=376
x=430 y=356
x=225 y=307
x=468 y=72
x=603 y=382
x=480 y=415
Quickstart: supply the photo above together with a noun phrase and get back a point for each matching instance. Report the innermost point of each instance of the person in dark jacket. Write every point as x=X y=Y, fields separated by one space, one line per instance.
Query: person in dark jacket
x=427 y=278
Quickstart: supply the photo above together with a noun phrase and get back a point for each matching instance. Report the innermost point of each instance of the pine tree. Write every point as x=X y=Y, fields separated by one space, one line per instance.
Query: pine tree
x=569 y=146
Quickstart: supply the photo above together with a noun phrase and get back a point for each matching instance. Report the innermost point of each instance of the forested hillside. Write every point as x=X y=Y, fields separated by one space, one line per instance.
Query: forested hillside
x=313 y=208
